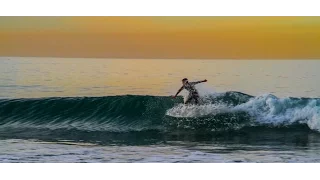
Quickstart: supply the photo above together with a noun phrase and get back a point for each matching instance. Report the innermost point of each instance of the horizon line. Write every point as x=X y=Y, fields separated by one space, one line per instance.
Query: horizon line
x=137 y=58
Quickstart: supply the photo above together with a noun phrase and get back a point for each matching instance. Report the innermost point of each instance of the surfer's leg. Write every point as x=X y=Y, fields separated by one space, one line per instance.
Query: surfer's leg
x=188 y=100
x=196 y=100
x=195 y=96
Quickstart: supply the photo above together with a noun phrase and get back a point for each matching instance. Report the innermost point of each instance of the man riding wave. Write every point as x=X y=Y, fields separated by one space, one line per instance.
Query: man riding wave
x=193 y=93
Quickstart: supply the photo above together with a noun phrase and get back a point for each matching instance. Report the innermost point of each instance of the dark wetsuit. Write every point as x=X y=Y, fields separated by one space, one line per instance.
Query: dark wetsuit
x=193 y=93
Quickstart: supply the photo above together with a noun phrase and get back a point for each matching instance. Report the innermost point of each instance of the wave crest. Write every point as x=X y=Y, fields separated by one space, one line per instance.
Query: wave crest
x=223 y=111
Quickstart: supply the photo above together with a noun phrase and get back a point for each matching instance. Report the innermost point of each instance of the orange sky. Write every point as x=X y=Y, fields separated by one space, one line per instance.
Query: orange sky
x=162 y=37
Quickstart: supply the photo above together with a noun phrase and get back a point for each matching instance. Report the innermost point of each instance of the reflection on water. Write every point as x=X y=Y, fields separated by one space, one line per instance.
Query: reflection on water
x=59 y=77
x=277 y=148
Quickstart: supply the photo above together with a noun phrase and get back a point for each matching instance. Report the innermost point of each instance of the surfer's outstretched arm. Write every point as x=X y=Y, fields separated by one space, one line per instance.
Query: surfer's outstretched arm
x=178 y=92
x=197 y=82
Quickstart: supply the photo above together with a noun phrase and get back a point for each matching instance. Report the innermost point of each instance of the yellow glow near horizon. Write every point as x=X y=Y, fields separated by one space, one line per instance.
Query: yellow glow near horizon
x=162 y=37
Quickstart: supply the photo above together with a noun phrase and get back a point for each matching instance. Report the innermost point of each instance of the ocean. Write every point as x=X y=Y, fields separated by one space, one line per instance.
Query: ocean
x=120 y=110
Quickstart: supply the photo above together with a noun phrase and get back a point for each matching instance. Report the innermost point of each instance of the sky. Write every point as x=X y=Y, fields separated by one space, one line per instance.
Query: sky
x=161 y=37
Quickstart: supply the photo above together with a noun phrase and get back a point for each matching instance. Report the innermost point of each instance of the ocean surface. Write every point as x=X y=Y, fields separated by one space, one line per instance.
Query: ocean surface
x=120 y=110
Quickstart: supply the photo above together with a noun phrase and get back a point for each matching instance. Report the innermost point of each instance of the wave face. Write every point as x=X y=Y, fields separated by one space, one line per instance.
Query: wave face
x=131 y=113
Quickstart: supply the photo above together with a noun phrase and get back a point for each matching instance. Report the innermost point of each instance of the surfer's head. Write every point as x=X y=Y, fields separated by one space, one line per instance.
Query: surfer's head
x=184 y=80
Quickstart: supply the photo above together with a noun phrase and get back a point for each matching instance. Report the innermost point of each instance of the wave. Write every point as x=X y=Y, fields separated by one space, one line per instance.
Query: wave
x=218 y=112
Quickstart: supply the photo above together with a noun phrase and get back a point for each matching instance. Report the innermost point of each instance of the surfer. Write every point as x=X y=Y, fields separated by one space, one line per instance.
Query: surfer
x=193 y=93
